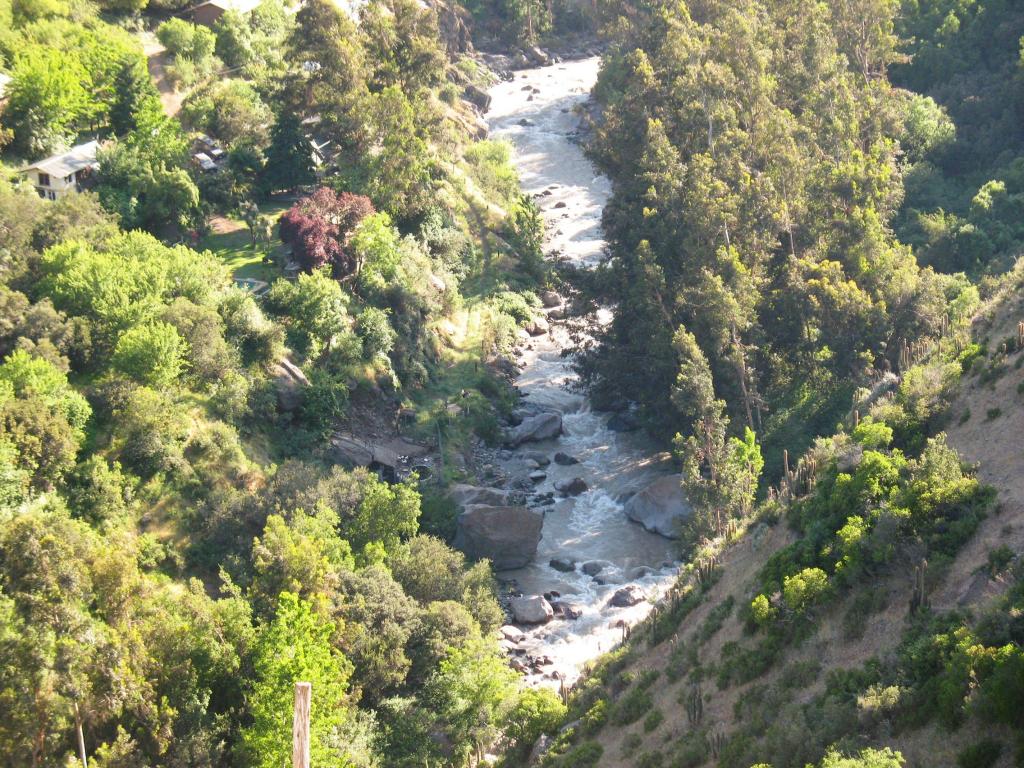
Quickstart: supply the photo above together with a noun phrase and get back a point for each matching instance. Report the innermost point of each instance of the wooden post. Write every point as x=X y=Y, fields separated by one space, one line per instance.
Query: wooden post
x=81 y=736
x=300 y=725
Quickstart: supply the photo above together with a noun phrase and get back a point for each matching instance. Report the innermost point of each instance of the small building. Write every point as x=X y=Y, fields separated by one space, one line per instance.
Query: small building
x=209 y=12
x=63 y=174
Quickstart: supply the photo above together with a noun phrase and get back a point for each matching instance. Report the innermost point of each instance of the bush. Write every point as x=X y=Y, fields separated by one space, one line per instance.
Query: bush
x=984 y=754
x=583 y=756
x=653 y=720
x=632 y=706
x=993 y=413
x=150 y=354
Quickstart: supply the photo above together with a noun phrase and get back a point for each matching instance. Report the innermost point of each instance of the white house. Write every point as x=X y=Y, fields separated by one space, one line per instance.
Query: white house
x=61 y=175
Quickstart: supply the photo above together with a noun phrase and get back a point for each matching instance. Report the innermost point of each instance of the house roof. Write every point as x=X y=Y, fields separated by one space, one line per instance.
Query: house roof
x=242 y=6
x=72 y=161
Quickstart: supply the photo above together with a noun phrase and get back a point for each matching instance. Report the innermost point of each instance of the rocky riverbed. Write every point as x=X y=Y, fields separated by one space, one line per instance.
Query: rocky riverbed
x=594 y=569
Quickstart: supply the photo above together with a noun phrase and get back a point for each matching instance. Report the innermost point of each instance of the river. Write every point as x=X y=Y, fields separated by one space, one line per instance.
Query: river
x=534 y=112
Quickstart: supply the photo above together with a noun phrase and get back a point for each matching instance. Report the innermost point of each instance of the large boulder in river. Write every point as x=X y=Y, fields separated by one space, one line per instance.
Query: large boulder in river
x=531 y=609
x=478 y=97
x=543 y=426
x=506 y=535
x=573 y=487
x=467 y=495
x=660 y=507
x=629 y=595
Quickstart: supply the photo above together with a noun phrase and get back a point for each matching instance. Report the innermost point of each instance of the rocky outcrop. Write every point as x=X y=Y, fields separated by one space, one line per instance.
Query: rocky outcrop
x=531 y=609
x=506 y=535
x=660 y=507
x=452 y=27
x=543 y=426
x=550 y=299
x=627 y=596
x=290 y=382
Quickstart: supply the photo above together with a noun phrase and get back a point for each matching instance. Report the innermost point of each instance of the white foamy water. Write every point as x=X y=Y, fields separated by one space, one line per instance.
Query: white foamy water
x=591 y=526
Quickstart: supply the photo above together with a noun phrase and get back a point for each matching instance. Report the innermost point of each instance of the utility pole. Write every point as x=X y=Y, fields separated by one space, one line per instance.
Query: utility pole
x=300 y=725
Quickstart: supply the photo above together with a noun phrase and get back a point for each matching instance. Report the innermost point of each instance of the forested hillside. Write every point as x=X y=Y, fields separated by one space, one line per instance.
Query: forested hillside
x=813 y=213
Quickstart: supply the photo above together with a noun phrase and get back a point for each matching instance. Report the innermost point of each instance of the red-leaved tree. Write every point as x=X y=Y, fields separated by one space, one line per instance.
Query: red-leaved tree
x=318 y=228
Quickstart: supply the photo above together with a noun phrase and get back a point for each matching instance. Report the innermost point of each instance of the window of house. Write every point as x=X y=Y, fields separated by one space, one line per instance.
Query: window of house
x=52 y=195
x=44 y=179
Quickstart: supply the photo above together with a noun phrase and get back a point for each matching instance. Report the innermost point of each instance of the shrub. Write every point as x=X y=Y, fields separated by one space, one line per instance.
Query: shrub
x=150 y=354
x=595 y=717
x=650 y=760
x=583 y=756
x=993 y=413
x=653 y=720
x=984 y=754
x=632 y=706
x=803 y=589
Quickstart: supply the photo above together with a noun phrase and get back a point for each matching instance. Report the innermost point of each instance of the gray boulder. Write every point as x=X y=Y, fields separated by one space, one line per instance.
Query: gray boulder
x=550 y=298
x=627 y=596
x=468 y=495
x=543 y=426
x=660 y=507
x=573 y=487
x=478 y=97
x=594 y=567
x=565 y=460
x=531 y=609
x=562 y=564
x=290 y=382
x=506 y=535
x=538 y=456
x=538 y=326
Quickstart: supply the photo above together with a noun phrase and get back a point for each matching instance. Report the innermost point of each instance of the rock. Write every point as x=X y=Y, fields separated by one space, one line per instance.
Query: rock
x=540 y=748
x=567 y=611
x=562 y=564
x=538 y=456
x=543 y=426
x=559 y=204
x=624 y=422
x=478 y=97
x=537 y=56
x=573 y=487
x=565 y=460
x=627 y=596
x=594 y=567
x=512 y=634
x=660 y=507
x=519 y=61
x=467 y=495
x=527 y=122
x=641 y=571
x=506 y=535
x=538 y=326
x=531 y=609
x=538 y=476
x=290 y=382
x=550 y=298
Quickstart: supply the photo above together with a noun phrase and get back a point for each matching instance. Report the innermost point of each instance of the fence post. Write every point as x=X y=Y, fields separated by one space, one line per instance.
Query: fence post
x=300 y=726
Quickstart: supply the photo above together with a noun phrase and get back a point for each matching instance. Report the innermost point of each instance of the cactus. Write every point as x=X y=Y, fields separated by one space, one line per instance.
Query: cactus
x=919 y=596
x=716 y=741
x=695 y=705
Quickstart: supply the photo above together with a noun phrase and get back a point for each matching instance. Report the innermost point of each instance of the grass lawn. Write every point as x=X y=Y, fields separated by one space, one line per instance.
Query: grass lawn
x=231 y=243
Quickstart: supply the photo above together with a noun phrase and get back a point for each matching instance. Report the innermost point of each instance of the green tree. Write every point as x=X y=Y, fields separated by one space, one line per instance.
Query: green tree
x=150 y=354
x=48 y=101
x=289 y=156
x=296 y=646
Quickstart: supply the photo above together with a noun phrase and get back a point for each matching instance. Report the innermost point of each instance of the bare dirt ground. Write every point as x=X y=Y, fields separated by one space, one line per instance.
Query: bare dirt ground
x=157 y=60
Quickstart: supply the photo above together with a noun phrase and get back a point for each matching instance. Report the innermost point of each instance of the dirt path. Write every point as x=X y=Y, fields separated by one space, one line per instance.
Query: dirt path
x=157 y=61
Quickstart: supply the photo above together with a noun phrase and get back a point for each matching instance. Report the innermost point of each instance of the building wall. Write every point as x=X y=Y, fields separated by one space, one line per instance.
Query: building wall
x=207 y=15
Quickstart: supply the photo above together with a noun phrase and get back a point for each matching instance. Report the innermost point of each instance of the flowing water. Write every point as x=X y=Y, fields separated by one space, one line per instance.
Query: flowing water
x=534 y=112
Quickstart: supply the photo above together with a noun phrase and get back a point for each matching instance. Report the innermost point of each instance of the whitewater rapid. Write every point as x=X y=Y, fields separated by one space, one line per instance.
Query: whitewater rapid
x=535 y=112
